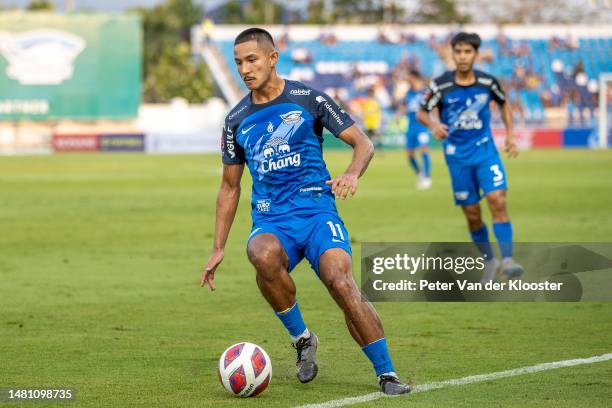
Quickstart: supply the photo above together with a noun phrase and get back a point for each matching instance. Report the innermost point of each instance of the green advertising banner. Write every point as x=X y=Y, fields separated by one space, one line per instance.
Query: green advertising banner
x=69 y=66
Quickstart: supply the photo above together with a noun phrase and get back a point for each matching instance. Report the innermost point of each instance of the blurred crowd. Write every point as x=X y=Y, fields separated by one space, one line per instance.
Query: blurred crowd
x=528 y=90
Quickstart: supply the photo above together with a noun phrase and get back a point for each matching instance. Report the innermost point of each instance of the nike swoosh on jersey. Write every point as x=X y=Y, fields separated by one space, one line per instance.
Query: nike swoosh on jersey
x=245 y=131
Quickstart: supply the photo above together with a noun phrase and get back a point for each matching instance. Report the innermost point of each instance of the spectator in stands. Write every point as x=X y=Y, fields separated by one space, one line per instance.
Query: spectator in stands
x=578 y=69
x=208 y=27
x=327 y=36
x=283 y=42
x=503 y=42
x=372 y=118
x=301 y=55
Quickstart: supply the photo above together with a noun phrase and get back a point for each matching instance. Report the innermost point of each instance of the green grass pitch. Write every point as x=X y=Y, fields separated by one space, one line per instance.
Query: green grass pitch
x=101 y=257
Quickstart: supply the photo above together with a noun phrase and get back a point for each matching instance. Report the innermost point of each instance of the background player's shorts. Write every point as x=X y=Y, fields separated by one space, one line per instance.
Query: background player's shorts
x=306 y=236
x=417 y=139
x=468 y=181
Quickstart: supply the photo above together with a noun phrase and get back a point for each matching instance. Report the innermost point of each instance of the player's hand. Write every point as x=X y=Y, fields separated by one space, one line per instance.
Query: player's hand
x=440 y=131
x=208 y=275
x=511 y=148
x=344 y=186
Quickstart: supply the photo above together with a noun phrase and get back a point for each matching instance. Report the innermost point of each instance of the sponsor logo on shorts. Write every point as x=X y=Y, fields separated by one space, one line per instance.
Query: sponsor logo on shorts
x=462 y=195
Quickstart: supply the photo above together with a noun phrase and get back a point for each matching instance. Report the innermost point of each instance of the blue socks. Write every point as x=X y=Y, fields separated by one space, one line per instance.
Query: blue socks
x=481 y=239
x=503 y=233
x=414 y=164
x=378 y=353
x=426 y=164
x=293 y=322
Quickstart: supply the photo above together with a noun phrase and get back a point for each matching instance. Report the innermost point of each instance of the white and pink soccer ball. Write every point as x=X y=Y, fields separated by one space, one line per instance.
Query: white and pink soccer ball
x=245 y=370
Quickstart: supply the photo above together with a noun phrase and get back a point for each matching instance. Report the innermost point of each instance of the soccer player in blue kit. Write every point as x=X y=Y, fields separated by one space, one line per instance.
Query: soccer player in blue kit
x=417 y=135
x=276 y=130
x=462 y=99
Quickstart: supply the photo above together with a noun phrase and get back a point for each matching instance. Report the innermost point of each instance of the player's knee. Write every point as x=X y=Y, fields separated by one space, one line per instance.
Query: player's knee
x=341 y=286
x=498 y=204
x=265 y=257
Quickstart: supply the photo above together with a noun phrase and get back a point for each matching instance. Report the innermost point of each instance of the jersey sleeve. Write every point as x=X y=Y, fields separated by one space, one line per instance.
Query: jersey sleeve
x=432 y=97
x=330 y=114
x=497 y=92
x=231 y=152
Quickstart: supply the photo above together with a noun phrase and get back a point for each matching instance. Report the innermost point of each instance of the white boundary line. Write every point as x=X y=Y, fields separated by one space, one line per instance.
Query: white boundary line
x=465 y=380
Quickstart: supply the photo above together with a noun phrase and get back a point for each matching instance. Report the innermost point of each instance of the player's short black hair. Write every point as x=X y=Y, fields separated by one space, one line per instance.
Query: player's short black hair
x=414 y=72
x=469 y=38
x=255 y=34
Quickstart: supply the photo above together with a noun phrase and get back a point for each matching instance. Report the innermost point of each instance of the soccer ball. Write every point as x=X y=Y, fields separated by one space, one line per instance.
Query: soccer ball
x=245 y=369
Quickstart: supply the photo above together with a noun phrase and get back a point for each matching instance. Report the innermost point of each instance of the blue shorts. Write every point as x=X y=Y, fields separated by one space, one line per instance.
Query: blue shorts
x=306 y=236
x=417 y=139
x=468 y=181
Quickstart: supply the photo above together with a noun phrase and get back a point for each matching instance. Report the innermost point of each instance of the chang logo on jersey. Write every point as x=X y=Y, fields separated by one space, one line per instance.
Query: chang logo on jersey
x=276 y=153
x=468 y=120
x=300 y=92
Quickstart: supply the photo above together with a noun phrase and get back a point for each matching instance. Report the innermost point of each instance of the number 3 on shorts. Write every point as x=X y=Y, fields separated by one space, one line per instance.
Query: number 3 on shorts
x=497 y=174
x=336 y=231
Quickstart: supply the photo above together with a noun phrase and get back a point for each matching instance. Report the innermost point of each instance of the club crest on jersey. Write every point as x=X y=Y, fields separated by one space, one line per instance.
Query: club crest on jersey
x=291 y=117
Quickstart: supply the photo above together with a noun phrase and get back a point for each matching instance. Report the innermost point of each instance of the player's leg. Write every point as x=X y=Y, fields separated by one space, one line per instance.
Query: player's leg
x=492 y=178
x=328 y=251
x=480 y=237
x=412 y=161
x=272 y=262
x=423 y=141
x=467 y=195
x=274 y=255
x=335 y=271
x=411 y=146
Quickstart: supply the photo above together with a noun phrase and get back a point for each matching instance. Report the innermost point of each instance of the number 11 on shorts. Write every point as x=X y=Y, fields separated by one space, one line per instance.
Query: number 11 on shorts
x=336 y=231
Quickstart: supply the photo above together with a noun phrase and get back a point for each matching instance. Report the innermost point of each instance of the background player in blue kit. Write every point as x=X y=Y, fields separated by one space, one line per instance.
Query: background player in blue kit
x=417 y=135
x=277 y=131
x=461 y=99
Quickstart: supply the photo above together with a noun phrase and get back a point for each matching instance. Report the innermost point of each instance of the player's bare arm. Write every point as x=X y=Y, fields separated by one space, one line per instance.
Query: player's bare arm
x=227 y=203
x=506 y=114
x=345 y=185
x=438 y=130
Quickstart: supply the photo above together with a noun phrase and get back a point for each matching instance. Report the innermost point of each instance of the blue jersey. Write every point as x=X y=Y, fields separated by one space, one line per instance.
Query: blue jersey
x=413 y=106
x=281 y=143
x=465 y=110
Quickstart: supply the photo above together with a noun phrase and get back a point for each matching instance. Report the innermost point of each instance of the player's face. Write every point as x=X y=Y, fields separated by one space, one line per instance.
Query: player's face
x=413 y=81
x=254 y=63
x=463 y=56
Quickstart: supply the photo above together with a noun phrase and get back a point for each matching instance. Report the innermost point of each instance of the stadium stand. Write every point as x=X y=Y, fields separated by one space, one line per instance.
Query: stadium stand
x=538 y=73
